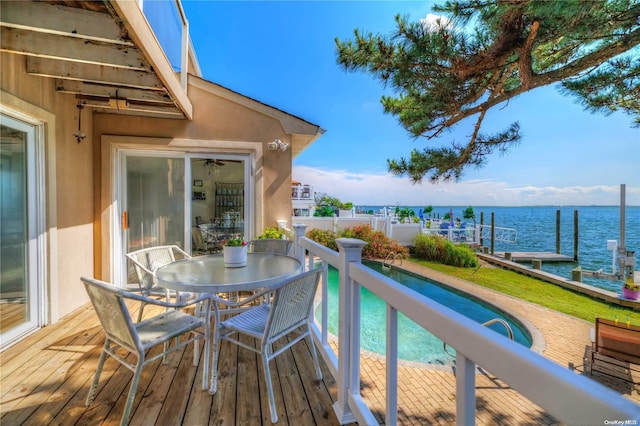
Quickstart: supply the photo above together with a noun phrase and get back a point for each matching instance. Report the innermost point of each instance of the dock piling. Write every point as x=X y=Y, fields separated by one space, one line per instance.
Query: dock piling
x=575 y=235
x=558 y=231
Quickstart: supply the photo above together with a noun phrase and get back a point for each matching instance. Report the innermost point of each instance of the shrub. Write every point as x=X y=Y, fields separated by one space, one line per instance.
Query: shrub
x=440 y=250
x=326 y=238
x=378 y=244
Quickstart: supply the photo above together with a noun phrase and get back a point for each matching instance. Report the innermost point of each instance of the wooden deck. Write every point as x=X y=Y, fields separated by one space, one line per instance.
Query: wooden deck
x=46 y=377
x=44 y=380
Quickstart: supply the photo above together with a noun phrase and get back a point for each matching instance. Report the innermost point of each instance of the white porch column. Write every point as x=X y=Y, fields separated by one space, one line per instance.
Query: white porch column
x=348 y=379
x=299 y=230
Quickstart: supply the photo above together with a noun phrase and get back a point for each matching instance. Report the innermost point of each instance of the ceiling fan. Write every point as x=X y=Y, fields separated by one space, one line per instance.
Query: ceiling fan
x=210 y=163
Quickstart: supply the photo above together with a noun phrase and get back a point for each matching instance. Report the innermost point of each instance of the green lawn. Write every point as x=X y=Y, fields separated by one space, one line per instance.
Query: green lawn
x=538 y=292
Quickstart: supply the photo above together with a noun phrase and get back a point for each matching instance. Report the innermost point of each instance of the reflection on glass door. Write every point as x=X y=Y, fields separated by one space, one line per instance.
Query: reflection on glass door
x=154 y=211
x=18 y=273
x=217 y=202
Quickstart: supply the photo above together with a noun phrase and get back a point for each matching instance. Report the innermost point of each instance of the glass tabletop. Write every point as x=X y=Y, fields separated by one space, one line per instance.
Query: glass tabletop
x=207 y=274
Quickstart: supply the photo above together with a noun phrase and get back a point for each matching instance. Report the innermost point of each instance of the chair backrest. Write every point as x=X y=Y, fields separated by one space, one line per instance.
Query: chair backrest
x=272 y=246
x=147 y=260
x=113 y=313
x=618 y=340
x=199 y=243
x=291 y=304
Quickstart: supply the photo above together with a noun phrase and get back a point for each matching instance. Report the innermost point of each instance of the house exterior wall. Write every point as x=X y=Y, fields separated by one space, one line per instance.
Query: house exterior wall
x=69 y=178
x=218 y=124
x=76 y=180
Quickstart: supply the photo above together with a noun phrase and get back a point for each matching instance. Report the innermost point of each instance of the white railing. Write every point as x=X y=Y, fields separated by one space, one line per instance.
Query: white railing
x=171 y=28
x=571 y=398
x=505 y=235
x=467 y=235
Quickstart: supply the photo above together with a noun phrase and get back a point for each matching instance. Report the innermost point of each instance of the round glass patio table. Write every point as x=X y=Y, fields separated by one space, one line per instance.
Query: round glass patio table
x=207 y=274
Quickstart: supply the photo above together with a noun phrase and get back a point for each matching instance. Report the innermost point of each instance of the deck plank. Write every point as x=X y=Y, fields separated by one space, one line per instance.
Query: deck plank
x=46 y=378
x=297 y=405
x=249 y=396
x=317 y=394
x=224 y=406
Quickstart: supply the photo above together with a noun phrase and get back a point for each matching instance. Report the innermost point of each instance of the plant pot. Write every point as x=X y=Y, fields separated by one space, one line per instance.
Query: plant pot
x=234 y=257
x=630 y=294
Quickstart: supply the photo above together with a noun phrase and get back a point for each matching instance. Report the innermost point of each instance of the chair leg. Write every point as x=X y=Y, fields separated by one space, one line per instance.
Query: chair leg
x=314 y=354
x=213 y=386
x=96 y=376
x=142 y=305
x=196 y=353
x=132 y=392
x=267 y=376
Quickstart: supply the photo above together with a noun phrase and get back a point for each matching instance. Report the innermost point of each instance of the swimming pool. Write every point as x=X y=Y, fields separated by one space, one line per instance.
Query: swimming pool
x=415 y=343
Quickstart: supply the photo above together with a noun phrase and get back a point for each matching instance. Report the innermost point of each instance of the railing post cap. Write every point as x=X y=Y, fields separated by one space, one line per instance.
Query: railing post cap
x=299 y=225
x=347 y=243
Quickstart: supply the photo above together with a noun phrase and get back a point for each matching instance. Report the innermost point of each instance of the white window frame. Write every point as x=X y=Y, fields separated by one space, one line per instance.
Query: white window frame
x=36 y=224
x=119 y=153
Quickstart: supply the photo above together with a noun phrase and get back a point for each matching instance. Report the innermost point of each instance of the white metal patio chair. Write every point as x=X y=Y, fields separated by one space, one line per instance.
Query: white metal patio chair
x=146 y=261
x=271 y=245
x=137 y=338
x=290 y=310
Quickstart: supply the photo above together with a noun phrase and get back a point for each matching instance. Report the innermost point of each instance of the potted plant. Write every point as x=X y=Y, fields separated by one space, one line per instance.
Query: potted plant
x=631 y=290
x=234 y=251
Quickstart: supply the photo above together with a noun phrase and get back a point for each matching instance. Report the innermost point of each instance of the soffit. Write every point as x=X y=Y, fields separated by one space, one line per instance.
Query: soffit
x=103 y=52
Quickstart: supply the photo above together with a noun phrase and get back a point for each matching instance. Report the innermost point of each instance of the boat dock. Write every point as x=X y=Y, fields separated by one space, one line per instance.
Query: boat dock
x=595 y=292
x=530 y=256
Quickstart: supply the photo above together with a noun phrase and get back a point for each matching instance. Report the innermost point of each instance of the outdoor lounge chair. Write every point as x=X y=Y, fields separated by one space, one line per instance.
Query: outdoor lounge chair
x=289 y=311
x=137 y=338
x=616 y=349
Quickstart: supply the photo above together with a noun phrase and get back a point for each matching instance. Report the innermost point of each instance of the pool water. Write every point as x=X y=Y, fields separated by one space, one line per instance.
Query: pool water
x=414 y=342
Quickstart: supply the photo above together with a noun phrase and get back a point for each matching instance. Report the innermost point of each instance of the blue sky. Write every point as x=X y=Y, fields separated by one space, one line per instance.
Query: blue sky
x=283 y=54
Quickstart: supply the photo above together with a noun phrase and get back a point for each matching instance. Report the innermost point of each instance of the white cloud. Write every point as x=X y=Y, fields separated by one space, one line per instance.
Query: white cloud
x=386 y=189
x=433 y=23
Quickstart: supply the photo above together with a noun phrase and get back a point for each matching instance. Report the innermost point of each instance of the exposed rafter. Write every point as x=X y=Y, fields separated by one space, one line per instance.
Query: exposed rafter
x=87 y=49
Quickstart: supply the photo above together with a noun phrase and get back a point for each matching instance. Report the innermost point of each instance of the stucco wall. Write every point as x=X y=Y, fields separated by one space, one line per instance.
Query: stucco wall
x=217 y=119
x=69 y=181
x=75 y=179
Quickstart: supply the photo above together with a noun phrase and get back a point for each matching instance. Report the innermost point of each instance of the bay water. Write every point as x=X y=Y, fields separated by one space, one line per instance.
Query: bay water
x=536 y=231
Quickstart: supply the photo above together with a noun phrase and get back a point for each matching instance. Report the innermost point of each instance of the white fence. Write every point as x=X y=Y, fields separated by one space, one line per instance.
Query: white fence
x=405 y=233
x=571 y=398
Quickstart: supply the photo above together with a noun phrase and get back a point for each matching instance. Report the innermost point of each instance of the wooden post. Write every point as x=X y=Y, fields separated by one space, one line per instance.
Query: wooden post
x=558 y=231
x=576 y=274
x=536 y=264
x=575 y=235
x=508 y=255
x=481 y=223
x=493 y=233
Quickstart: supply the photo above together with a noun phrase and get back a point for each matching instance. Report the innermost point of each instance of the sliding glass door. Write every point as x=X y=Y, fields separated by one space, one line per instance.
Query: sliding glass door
x=218 y=201
x=194 y=201
x=20 y=295
x=154 y=193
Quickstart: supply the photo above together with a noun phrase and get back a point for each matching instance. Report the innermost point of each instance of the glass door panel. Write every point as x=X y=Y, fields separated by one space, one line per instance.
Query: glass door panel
x=18 y=283
x=155 y=193
x=218 y=201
